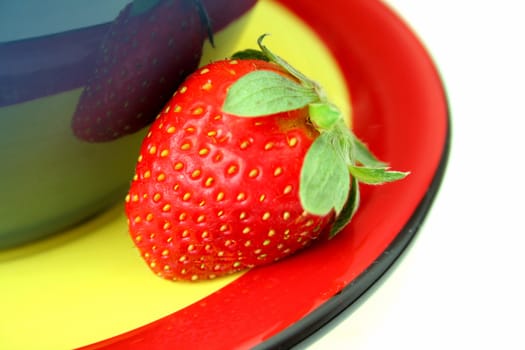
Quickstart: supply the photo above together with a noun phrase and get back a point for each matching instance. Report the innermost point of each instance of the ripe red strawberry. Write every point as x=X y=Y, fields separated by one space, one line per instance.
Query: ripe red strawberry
x=149 y=49
x=215 y=192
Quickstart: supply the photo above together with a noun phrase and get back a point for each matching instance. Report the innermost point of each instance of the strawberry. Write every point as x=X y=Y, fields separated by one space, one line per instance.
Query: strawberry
x=247 y=164
x=149 y=49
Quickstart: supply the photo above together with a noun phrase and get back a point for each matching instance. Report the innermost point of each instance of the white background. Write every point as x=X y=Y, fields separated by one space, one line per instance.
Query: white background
x=460 y=285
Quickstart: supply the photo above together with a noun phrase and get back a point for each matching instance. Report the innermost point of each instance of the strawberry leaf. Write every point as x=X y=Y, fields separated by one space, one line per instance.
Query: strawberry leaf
x=375 y=176
x=324 y=181
x=349 y=209
x=263 y=92
x=364 y=156
x=250 y=54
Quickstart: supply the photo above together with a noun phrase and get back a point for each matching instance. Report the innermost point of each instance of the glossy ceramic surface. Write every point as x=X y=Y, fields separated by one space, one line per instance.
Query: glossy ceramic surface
x=96 y=292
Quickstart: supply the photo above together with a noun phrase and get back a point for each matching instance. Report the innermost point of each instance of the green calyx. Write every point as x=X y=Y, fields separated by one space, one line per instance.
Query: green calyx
x=336 y=162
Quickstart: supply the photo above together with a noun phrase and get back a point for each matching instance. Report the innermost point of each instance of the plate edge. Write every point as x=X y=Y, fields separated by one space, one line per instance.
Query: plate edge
x=360 y=287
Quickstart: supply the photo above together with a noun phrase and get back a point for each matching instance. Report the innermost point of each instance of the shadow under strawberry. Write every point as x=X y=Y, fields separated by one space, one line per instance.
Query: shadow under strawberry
x=147 y=52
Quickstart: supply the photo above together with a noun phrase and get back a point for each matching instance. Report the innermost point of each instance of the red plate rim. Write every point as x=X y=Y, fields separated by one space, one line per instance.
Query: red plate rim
x=401 y=111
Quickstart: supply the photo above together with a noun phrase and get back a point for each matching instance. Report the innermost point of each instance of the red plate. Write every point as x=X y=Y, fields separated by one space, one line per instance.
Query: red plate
x=400 y=109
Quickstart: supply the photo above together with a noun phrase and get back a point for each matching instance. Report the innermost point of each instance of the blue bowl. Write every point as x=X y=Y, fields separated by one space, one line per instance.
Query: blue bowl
x=80 y=81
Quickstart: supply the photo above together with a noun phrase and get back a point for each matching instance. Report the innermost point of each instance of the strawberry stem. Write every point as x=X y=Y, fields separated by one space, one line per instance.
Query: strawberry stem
x=281 y=62
x=324 y=115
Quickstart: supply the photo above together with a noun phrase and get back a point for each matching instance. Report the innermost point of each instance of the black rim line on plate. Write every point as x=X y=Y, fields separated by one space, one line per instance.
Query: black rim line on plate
x=321 y=316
